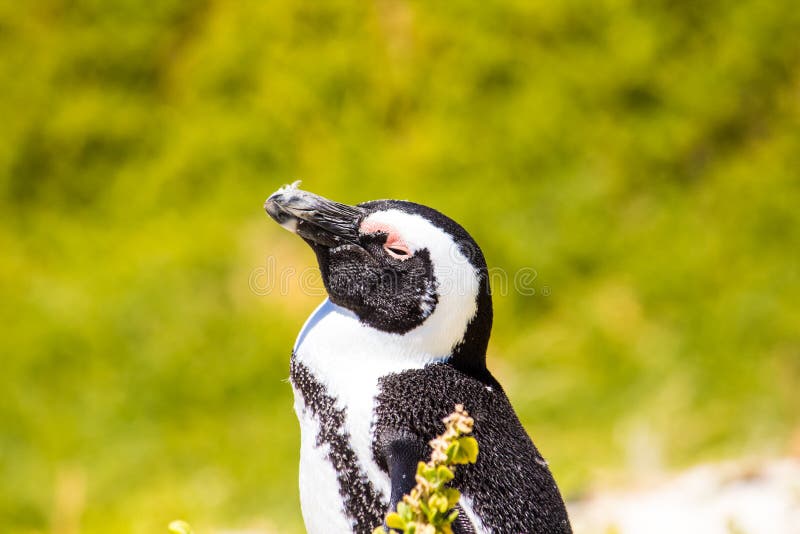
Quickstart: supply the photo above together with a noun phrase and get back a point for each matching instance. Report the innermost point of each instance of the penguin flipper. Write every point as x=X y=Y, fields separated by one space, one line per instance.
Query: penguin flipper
x=402 y=457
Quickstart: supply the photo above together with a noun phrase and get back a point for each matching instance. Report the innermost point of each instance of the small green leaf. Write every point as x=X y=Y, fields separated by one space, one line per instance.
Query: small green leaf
x=404 y=511
x=444 y=474
x=430 y=474
x=452 y=516
x=393 y=520
x=425 y=509
x=421 y=468
x=439 y=502
x=453 y=495
x=469 y=446
x=452 y=451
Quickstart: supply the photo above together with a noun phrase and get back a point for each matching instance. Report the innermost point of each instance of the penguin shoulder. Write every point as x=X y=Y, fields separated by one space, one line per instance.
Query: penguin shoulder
x=414 y=402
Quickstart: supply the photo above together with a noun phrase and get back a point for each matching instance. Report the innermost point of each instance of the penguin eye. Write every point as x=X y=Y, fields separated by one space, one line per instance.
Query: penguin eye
x=397 y=250
x=393 y=243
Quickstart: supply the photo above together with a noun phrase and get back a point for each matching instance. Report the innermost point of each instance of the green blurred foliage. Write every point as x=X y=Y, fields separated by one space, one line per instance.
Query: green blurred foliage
x=641 y=157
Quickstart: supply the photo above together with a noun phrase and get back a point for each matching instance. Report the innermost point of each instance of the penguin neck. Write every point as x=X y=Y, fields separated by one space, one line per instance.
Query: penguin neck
x=341 y=349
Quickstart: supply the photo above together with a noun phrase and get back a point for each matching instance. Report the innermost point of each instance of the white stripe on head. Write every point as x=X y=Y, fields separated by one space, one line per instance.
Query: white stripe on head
x=457 y=280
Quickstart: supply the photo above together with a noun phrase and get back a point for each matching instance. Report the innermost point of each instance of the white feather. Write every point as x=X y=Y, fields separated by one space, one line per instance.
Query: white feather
x=466 y=506
x=322 y=507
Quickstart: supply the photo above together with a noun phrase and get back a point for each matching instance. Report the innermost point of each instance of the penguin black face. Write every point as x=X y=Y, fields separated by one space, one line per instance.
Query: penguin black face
x=381 y=280
x=401 y=267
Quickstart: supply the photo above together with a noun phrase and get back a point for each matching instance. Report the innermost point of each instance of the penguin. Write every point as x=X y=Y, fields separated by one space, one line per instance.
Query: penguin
x=400 y=340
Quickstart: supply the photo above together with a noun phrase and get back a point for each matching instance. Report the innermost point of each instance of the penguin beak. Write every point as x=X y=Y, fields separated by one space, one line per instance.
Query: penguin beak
x=314 y=218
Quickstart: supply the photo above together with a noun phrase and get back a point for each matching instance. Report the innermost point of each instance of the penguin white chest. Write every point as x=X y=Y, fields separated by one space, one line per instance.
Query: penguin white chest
x=336 y=366
x=319 y=485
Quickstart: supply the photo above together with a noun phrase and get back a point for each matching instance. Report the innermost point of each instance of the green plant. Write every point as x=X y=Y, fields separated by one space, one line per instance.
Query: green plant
x=428 y=508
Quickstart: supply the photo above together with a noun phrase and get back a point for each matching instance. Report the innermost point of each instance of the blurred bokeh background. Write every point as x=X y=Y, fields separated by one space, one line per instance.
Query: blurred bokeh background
x=642 y=158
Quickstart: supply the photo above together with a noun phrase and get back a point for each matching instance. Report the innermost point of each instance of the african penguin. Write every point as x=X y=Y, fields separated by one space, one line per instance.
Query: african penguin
x=399 y=341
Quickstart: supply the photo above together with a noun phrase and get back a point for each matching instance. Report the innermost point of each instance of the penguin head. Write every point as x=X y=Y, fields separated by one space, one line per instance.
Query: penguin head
x=400 y=267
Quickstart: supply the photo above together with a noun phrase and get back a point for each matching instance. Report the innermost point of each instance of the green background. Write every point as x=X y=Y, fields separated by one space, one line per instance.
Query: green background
x=642 y=158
